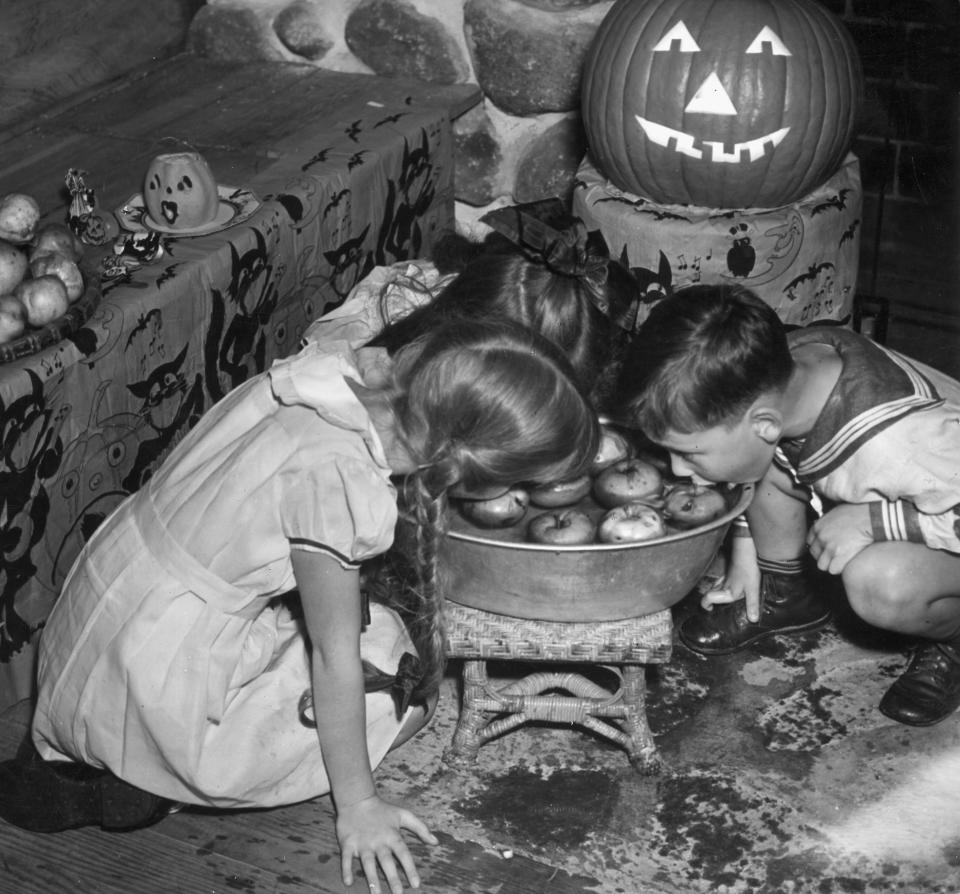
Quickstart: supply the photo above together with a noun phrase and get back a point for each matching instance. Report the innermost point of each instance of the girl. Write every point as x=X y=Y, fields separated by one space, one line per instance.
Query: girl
x=539 y=266
x=169 y=661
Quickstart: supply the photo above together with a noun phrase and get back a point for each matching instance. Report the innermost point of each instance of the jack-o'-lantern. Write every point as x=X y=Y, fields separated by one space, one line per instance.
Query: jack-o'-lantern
x=179 y=190
x=720 y=103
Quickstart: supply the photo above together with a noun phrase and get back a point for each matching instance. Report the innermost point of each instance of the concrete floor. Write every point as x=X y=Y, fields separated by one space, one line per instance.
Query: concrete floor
x=780 y=776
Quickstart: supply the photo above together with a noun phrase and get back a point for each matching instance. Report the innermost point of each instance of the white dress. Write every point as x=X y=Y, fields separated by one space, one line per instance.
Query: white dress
x=167 y=658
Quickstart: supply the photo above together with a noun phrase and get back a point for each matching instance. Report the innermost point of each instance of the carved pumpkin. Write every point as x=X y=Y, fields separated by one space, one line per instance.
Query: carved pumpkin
x=720 y=103
x=179 y=190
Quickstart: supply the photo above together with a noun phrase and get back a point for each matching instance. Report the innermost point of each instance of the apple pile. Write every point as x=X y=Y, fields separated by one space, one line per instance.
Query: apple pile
x=39 y=267
x=625 y=498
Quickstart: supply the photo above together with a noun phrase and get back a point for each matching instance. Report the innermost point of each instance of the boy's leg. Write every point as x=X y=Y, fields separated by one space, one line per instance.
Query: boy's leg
x=911 y=589
x=789 y=603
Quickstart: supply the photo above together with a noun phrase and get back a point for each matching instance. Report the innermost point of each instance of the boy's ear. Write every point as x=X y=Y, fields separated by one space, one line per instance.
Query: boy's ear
x=766 y=422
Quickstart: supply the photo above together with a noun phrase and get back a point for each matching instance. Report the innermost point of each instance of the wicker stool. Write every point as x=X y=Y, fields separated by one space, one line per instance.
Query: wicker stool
x=622 y=647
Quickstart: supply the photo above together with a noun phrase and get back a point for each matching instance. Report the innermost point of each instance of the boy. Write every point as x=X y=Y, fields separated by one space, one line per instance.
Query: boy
x=821 y=412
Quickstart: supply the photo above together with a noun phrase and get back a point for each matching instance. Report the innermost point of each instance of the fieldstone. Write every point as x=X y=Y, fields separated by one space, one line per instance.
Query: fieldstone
x=396 y=40
x=477 y=157
x=527 y=60
x=549 y=163
x=300 y=28
x=230 y=34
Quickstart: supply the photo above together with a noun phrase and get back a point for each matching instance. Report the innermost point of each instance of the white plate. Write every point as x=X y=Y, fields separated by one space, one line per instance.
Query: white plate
x=236 y=205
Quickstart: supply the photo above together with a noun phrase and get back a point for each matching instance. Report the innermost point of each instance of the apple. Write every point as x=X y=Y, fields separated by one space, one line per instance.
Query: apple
x=59 y=238
x=61 y=266
x=19 y=217
x=14 y=266
x=626 y=480
x=564 y=527
x=631 y=523
x=44 y=297
x=613 y=448
x=561 y=493
x=690 y=505
x=498 y=512
x=13 y=318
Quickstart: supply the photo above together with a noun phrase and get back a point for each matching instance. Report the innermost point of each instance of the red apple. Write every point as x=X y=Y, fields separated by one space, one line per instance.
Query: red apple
x=561 y=493
x=613 y=448
x=498 y=512
x=565 y=527
x=626 y=480
x=690 y=505
x=631 y=523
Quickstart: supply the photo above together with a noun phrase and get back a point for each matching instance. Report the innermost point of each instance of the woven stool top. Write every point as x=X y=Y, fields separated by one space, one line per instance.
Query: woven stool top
x=472 y=633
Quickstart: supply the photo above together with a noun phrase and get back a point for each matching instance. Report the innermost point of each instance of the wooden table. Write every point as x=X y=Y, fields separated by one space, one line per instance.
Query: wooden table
x=352 y=171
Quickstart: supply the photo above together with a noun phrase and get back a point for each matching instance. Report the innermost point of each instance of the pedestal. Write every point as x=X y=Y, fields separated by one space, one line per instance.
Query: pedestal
x=801 y=258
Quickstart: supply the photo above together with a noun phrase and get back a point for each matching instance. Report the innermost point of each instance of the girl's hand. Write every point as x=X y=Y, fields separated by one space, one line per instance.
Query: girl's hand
x=370 y=831
x=840 y=535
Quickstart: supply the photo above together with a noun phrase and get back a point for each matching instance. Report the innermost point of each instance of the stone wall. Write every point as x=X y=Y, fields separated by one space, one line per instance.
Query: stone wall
x=525 y=140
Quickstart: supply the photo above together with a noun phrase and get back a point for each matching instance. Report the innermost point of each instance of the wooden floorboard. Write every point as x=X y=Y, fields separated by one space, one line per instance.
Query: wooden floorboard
x=287 y=850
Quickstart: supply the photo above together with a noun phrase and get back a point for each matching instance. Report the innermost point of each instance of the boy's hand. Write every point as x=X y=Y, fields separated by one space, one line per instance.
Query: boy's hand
x=742 y=580
x=370 y=831
x=835 y=538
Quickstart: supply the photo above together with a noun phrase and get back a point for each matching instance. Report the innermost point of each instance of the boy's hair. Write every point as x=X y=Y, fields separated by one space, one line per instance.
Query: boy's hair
x=700 y=359
x=478 y=404
x=496 y=279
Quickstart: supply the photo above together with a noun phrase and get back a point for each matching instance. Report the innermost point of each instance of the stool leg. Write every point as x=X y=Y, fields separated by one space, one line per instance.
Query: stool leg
x=466 y=741
x=641 y=748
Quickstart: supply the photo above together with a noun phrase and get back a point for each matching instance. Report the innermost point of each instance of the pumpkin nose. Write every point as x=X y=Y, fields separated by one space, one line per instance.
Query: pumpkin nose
x=711 y=98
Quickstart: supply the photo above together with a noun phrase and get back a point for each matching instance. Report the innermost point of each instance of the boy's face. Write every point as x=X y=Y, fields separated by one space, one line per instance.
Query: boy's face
x=734 y=454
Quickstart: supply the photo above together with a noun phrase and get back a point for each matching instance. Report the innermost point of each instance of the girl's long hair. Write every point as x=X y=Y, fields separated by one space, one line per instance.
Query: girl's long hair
x=496 y=279
x=477 y=404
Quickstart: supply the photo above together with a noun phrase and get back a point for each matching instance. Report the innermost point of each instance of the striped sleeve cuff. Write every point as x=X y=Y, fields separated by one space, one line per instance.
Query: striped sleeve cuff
x=739 y=527
x=896 y=520
x=312 y=546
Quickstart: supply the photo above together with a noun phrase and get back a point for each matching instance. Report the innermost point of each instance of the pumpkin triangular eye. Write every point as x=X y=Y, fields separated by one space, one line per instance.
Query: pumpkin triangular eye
x=768 y=38
x=678 y=38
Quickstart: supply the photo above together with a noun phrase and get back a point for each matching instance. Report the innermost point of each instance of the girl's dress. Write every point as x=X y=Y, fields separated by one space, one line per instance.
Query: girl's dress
x=168 y=658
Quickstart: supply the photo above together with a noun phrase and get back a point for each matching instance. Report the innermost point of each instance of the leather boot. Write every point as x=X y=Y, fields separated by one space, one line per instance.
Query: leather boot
x=51 y=796
x=788 y=604
x=929 y=689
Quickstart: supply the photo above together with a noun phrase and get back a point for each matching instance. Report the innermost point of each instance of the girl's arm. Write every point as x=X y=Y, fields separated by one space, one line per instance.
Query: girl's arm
x=368 y=828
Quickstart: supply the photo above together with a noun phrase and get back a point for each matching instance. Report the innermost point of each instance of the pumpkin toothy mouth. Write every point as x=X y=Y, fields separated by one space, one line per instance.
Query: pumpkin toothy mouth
x=684 y=143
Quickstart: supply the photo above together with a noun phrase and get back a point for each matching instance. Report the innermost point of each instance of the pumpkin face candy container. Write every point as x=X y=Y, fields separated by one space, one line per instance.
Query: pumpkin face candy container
x=179 y=191
x=720 y=103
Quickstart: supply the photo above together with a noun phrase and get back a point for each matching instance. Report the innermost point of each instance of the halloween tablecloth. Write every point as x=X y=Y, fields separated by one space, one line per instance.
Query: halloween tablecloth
x=88 y=420
x=801 y=258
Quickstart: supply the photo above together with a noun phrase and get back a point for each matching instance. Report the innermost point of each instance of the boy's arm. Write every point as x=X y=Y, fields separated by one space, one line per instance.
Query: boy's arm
x=901 y=520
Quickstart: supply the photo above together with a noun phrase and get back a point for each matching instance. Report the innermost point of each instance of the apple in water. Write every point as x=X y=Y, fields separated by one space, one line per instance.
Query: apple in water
x=613 y=448
x=690 y=505
x=631 y=523
x=561 y=493
x=564 y=527
x=626 y=480
x=498 y=512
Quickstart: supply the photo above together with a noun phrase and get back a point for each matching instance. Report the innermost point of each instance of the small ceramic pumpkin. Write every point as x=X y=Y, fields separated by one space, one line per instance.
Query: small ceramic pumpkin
x=720 y=103
x=180 y=191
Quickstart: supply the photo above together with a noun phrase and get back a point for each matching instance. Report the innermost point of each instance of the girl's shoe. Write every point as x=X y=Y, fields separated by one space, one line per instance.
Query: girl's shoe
x=51 y=796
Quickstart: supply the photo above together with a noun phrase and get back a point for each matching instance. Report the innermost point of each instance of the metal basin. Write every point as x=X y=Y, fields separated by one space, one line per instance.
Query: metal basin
x=497 y=571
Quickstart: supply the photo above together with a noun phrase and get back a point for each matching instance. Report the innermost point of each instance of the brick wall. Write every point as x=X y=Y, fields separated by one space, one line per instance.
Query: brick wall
x=908 y=151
